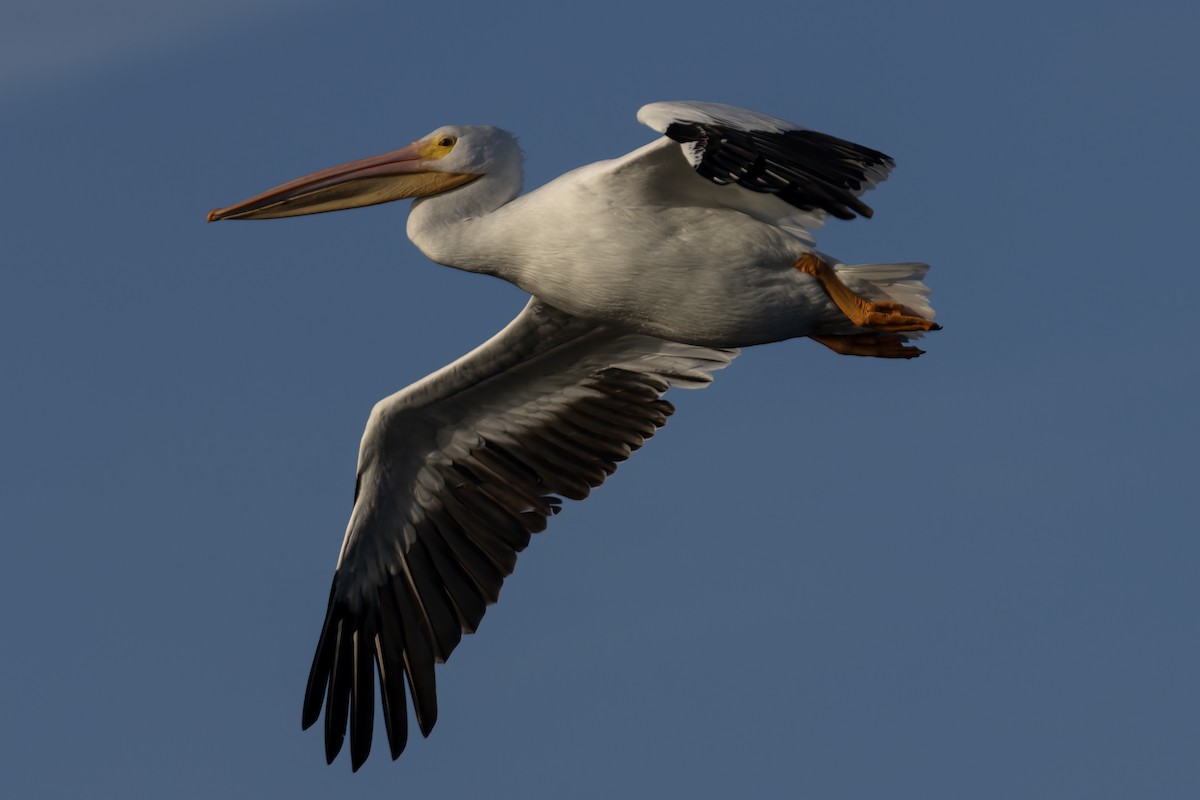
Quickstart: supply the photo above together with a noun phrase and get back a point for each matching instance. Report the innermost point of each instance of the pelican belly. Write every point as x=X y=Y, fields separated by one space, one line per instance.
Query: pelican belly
x=705 y=276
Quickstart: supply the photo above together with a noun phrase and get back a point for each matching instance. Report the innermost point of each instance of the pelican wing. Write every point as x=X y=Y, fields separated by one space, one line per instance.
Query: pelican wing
x=809 y=170
x=454 y=475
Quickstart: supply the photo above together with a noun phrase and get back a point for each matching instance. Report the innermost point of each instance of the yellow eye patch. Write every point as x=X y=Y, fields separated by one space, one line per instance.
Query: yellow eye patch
x=438 y=146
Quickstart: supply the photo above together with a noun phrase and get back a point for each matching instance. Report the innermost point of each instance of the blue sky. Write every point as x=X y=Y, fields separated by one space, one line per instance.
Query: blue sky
x=972 y=575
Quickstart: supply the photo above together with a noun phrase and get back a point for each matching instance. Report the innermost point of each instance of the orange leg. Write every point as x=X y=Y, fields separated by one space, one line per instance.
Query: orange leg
x=876 y=315
x=876 y=345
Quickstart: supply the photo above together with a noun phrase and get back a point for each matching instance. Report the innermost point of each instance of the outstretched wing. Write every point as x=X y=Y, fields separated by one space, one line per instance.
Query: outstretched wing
x=809 y=170
x=454 y=475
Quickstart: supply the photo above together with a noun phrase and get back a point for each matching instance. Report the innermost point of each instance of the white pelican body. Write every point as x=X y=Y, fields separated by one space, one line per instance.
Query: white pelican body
x=603 y=243
x=646 y=271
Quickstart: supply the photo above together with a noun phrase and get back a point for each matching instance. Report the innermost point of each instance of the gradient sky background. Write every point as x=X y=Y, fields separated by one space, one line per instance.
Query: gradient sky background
x=969 y=576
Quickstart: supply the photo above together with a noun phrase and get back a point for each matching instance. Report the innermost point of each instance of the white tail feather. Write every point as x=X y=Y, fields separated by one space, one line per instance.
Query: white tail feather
x=900 y=283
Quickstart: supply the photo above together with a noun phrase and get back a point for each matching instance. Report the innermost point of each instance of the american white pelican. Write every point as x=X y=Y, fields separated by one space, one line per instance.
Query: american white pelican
x=646 y=272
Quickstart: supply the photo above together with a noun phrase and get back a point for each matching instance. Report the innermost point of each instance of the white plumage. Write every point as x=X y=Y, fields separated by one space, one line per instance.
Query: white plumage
x=647 y=271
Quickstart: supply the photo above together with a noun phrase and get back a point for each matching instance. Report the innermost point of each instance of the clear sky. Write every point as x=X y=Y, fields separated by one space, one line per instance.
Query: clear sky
x=969 y=576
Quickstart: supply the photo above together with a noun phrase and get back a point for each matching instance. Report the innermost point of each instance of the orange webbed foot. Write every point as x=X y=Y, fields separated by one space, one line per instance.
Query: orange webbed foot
x=874 y=345
x=874 y=314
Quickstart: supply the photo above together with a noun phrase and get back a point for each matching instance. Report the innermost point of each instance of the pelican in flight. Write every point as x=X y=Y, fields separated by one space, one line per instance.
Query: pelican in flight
x=646 y=272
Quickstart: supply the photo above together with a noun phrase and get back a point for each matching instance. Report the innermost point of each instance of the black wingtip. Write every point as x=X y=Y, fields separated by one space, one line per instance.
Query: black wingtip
x=337 y=699
x=318 y=674
x=362 y=702
x=333 y=746
x=389 y=658
x=419 y=657
x=808 y=169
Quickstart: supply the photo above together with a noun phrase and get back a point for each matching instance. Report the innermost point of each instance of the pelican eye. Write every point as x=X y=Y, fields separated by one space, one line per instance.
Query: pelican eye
x=439 y=147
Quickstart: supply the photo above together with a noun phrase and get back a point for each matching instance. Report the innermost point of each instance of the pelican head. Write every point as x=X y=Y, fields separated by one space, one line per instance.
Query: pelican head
x=449 y=157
